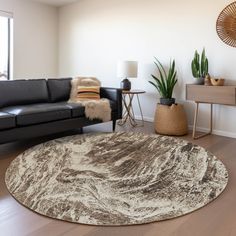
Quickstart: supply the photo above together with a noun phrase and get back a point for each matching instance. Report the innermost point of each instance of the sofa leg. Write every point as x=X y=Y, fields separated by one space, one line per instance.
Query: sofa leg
x=114 y=125
x=81 y=131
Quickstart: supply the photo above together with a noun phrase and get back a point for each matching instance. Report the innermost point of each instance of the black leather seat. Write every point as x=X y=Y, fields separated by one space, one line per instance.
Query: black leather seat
x=7 y=121
x=38 y=113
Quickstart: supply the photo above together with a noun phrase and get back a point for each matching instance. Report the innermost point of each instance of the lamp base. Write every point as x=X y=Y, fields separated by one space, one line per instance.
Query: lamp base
x=125 y=84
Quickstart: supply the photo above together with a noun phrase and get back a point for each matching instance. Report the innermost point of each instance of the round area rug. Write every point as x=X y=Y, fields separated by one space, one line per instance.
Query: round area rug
x=115 y=178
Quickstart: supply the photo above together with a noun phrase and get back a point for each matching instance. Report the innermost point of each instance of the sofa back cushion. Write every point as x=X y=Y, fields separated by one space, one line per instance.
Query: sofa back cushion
x=21 y=92
x=59 y=89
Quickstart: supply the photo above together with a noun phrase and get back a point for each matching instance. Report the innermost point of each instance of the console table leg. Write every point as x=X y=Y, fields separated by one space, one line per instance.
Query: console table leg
x=195 y=122
x=140 y=109
x=211 y=123
x=195 y=119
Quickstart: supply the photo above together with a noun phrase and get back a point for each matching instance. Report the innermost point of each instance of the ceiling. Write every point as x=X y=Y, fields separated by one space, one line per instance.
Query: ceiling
x=57 y=3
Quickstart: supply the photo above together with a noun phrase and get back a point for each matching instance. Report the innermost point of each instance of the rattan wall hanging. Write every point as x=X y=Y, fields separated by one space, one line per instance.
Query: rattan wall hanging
x=226 y=25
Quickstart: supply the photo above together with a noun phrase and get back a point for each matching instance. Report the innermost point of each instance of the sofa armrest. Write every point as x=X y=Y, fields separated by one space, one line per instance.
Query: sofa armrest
x=115 y=95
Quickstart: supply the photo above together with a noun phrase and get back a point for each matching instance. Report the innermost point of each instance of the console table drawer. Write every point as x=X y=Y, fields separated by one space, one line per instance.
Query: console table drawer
x=225 y=95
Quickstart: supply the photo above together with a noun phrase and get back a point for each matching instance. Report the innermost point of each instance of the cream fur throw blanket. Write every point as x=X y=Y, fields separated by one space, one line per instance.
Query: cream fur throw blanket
x=94 y=109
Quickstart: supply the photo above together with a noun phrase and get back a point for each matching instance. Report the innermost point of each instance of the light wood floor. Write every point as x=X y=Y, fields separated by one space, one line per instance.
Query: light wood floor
x=216 y=219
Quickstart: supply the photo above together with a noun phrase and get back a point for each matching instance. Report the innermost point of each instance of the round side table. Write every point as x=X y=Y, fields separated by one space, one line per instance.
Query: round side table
x=128 y=112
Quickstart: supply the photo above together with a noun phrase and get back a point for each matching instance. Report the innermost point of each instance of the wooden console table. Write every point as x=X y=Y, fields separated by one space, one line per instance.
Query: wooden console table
x=221 y=95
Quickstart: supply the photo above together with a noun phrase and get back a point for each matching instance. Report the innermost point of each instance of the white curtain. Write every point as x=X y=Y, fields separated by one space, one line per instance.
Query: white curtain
x=5 y=44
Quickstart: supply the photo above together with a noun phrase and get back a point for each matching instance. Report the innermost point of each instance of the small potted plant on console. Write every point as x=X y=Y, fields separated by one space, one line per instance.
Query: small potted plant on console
x=199 y=67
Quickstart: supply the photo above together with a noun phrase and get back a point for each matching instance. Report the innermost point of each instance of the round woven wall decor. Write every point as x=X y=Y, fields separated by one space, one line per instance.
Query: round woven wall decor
x=226 y=25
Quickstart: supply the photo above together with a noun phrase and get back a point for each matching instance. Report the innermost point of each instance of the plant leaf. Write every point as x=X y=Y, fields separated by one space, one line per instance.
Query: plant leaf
x=162 y=78
x=166 y=81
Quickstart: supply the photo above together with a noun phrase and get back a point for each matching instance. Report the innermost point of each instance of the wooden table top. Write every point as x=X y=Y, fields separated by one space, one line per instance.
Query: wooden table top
x=224 y=95
x=135 y=91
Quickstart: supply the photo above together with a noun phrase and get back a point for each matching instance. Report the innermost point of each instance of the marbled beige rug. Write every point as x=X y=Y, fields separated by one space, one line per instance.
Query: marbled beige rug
x=115 y=178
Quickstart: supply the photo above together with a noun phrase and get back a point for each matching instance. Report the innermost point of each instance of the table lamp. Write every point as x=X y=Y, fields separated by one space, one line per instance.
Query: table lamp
x=125 y=70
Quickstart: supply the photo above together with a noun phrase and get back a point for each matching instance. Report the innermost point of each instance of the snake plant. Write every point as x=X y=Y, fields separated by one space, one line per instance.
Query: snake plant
x=199 y=66
x=166 y=81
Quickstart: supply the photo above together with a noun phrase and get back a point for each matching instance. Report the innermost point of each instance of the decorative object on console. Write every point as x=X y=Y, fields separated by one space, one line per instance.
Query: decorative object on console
x=199 y=67
x=115 y=178
x=207 y=80
x=94 y=108
x=217 y=82
x=226 y=25
x=165 y=82
x=125 y=70
x=171 y=120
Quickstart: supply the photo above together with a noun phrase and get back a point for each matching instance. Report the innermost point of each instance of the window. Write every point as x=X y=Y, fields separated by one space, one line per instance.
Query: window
x=6 y=32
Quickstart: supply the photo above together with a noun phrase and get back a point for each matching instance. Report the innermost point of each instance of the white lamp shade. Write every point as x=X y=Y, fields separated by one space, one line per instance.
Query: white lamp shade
x=127 y=69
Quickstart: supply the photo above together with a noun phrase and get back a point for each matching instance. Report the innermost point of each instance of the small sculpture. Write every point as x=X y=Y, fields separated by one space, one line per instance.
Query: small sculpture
x=217 y=82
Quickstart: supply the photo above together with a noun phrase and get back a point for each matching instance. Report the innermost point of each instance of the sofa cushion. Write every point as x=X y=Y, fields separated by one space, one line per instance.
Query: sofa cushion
x=59 y=89
x=77 y=110
x=38 y=113
x=20 y=92
x=7 y=121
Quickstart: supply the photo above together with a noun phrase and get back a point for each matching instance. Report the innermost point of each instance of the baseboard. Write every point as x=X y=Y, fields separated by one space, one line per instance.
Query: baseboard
x=200 y=129
x=215 y=131
x=148 y=119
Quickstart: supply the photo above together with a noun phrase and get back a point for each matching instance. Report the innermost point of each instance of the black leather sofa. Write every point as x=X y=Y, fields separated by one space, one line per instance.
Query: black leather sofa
x=34 y=108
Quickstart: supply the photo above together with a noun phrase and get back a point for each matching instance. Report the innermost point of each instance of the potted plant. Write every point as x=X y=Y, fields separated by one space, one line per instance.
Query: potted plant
x=165 y=82
x=199 y=67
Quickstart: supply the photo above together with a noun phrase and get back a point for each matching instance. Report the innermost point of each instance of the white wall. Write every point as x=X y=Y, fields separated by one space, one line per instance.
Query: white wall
x=95 y=34
x=35 y=38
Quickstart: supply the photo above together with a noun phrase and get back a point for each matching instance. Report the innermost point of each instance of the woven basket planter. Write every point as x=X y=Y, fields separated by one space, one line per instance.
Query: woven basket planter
x=171 y=120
